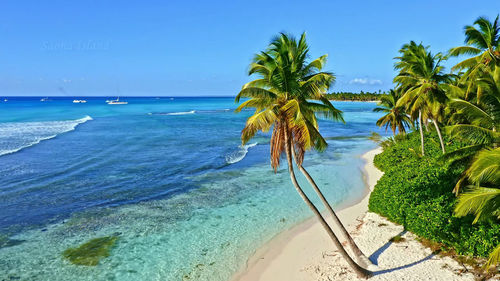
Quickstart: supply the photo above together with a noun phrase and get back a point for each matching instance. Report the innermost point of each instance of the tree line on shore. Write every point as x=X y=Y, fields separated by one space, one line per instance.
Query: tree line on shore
x=361 y=96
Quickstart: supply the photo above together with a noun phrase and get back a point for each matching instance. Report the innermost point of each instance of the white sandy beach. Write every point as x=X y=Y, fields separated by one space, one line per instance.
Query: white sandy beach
x=306 y=253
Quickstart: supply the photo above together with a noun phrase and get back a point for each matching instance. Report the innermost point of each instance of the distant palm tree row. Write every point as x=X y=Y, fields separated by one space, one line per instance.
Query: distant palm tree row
x=466 y=102
x=362 y=96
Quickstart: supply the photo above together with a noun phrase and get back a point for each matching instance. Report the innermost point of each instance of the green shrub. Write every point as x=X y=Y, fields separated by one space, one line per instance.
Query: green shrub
x=416 y=192
x=92 y=252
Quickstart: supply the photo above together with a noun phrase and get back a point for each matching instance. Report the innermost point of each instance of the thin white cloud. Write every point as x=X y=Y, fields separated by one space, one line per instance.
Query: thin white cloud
x=365 y=81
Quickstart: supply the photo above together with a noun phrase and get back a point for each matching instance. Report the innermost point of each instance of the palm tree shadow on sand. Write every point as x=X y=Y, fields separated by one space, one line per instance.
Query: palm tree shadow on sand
x=375 y=256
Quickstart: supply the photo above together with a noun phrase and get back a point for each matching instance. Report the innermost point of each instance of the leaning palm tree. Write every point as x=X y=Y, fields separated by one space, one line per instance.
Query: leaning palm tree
x=395 y=116
x=483 y=197
x=283 y=100
x=483 y=42
x=424 y=86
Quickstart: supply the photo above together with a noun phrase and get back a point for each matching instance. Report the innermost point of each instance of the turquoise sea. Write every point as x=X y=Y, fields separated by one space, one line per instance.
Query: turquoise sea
x=166 y=175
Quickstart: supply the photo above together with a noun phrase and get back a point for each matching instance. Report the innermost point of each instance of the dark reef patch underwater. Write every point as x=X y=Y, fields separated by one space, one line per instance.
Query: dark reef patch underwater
x=91 y=252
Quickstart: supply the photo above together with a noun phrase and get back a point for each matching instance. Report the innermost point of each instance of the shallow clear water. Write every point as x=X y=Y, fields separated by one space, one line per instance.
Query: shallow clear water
x=167 y=175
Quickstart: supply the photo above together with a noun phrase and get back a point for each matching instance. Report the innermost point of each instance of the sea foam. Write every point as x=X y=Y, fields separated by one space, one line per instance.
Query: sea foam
x=191 y=112
x=15 y=136
x=238 y=155
x=181 y=113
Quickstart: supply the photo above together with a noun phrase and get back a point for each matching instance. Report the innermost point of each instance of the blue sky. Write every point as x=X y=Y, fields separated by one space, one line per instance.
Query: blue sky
x=193 y=48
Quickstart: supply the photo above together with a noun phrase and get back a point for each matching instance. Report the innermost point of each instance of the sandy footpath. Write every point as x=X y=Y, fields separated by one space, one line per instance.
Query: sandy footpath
x=305 y=252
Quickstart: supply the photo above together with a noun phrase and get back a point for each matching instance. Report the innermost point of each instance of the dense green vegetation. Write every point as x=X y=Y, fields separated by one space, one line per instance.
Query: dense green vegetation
x=91 y=252
x=362 y=96
x=466 y=104
x=415 y=192
x=421 y=168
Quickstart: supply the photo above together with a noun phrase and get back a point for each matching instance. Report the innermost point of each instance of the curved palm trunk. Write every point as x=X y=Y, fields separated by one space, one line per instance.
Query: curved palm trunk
x=440 y=136
x=361 y=272
x=361 y=258
x=421 y=132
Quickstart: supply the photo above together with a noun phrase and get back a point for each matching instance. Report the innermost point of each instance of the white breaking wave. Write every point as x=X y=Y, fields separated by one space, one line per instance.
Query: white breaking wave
x=190 y=112
x=182 y=113
x=238 y=155
x=15 y=136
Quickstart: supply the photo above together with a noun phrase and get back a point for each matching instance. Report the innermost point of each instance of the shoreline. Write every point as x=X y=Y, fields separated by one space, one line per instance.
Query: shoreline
x=287 y=249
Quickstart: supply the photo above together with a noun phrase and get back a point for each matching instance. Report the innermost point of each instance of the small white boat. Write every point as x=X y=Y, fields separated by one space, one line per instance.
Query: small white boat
x=44 y=99
x=5 y=100
x=117 y=101
x=79 y=101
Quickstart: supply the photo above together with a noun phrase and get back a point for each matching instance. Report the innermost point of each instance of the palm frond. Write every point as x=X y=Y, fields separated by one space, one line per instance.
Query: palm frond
x=474 y=114
x=464 y=50
x=468 y=63
x=255 y=92
x=494 y=258
x=316 y=64
x=472 y=134
x=260 y=121
x=257 y=103
x=479 y=201
x=257 y=83
x=296 y=120
x=485 y=168
x=333 y=113
x=463 y=152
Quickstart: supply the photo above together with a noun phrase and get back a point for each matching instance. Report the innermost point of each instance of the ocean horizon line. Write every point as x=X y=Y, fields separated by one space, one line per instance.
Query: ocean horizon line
x=77 y=96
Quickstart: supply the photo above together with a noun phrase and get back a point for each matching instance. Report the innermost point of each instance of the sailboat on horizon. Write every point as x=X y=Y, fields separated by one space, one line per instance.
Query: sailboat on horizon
x=117 y=101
